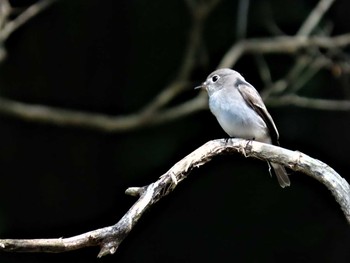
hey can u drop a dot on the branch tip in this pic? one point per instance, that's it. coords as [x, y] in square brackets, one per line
[106, 251]
[134, 191]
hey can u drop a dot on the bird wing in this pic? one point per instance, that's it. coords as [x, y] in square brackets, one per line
[253, 100]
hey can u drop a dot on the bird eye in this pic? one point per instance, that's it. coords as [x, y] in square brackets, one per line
[215, 78]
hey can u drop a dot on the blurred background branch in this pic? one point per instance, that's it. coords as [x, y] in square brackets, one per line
[158, 110]
[8, 25]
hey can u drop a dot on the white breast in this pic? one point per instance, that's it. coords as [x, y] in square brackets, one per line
[236, 117]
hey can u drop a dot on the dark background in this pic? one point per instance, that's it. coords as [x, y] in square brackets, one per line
[113, 57]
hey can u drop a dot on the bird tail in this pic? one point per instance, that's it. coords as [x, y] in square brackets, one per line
[281, 175]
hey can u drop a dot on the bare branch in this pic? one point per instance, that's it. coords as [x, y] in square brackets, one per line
[264, 70]
[200, 12]
[5, 11]
[24, 17]
[7, 26]
[314, 18]
[201, 9]
[101, 122]
[109, 238]
[152, 114]
[281, 44]
[56, 116]
[302, 63]
[313, 68]
[164, 97]
[310, 103]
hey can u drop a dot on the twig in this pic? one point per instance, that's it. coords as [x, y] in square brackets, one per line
[24, 17]
[310, 103]
[264, 70]
[7, 26]
[281, 85]
[200, 12]
[96, 121]
[305, 30]
[5, 11]
[106, 123]
[281, 44]
[313, 68]
[269, 20]
[314, 18]
[152, 113]
[109, 238]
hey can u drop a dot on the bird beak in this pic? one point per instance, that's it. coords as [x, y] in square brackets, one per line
[202, 86]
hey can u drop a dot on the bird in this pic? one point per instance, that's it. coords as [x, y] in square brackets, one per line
[241, 112]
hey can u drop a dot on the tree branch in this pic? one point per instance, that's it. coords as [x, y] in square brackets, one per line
[280, 44]
[109, 238]
[156, 112]
[97, 121]
[301, 63]
[7, 26]
[24, 17]
[310, 103]
[314, 18]
[200, 12]
[106, 123]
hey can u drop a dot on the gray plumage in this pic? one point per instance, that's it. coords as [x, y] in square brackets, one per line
[241, 112]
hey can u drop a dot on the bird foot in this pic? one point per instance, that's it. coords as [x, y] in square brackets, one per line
[247, 147]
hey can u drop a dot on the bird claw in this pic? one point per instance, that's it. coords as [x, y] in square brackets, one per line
[246, 147]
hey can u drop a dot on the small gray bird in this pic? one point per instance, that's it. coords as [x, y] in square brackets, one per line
[241, 112]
